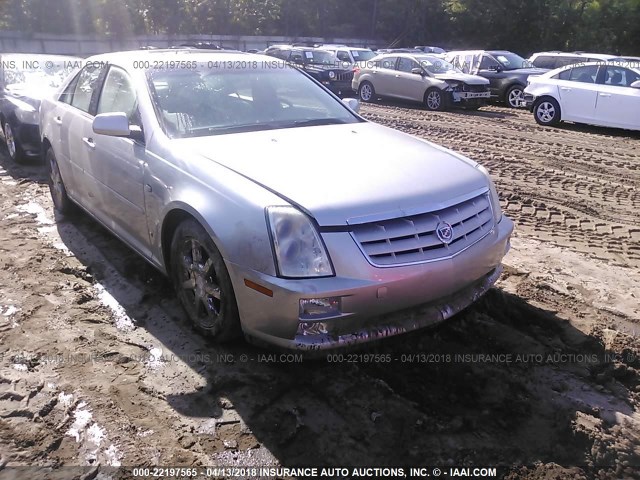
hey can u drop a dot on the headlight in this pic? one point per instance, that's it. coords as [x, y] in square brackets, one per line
[495, 200]
[332, 75]
[298, 247]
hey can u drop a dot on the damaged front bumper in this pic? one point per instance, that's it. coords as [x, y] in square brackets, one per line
[365, 303]
[404, 321]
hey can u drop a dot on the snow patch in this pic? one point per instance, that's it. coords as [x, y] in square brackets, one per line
[66, 400]
[36, 209]
[11, 216]
[113, 456]
[122, 320]
[11, 309]
[82, 417]
[21, 367]
[155, 360]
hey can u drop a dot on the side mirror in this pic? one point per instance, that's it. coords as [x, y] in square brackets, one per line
[416, 71]
[635, 84]
[112, 124]
[116, 124]
[352, 103]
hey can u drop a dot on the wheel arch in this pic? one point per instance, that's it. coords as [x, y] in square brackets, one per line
[544, 97]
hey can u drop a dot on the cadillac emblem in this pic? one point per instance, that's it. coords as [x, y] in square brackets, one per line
[444, 231]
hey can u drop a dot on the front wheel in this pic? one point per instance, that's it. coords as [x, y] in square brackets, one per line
[547, 112]
[202, 283]
[513, 96]
[434, 100]
[366, 92]
[13, 145]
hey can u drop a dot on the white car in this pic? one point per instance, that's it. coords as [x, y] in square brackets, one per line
[350, 56]
[594, 93]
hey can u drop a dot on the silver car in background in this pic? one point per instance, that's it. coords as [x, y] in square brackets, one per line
[211, 165]
[426, 79]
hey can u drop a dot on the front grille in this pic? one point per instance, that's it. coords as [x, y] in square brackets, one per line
[474, 88]
[344, 77]
[413, 239]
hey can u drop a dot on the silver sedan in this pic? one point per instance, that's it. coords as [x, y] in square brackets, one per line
[276, 210]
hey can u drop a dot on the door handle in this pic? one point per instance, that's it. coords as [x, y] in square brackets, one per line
[605, 94]
[58, 120]
[566, 89]
[397, 76]
[88, 141]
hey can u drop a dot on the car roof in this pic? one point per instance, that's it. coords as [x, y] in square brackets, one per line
[630, 65]
[555, 53]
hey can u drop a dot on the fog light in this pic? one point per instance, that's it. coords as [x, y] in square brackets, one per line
[317, 308]
[312, 328]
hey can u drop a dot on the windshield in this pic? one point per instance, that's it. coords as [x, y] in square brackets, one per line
[37, 71]
[362, 55]
[213, 101]
[511, 61]
[319, 57]
[435, 66]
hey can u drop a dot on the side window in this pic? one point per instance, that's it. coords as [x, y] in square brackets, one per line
[388, 63]
[406, 64]
[585, 74]
[343, 56]
[488, 63]
[118, 95]
[562, 61]
[84, 87]
[620, 77]
[544, 61]
[67, 95]
[563, 75]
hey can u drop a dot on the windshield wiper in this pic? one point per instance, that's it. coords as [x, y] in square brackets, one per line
[317, 121]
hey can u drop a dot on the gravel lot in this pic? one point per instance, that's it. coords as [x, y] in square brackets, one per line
[98, 367]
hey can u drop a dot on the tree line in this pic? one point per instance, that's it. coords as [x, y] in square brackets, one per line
[519, 25]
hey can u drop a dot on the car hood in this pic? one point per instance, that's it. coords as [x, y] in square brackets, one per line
[463, 77]
[346, 174]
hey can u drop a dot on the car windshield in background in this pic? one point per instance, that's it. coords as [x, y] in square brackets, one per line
[36, 71]
[436, 66]
[362, 55]
[511, 61]
[319, 57]
[214, 101]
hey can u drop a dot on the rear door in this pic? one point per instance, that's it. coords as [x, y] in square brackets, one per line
[577, 90]
[617, 104]
[74, 119]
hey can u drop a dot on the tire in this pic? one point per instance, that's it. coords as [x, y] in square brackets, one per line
[546, 111]
[366, 92]
[202, 283]
[434, 100]
[16, 153]
[513, 96]
[61, 200]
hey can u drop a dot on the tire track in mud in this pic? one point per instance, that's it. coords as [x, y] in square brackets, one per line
[574, 186]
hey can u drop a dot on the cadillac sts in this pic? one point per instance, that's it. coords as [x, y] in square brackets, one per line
[277, 210]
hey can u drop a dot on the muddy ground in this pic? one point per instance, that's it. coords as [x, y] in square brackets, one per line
[98, 367]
